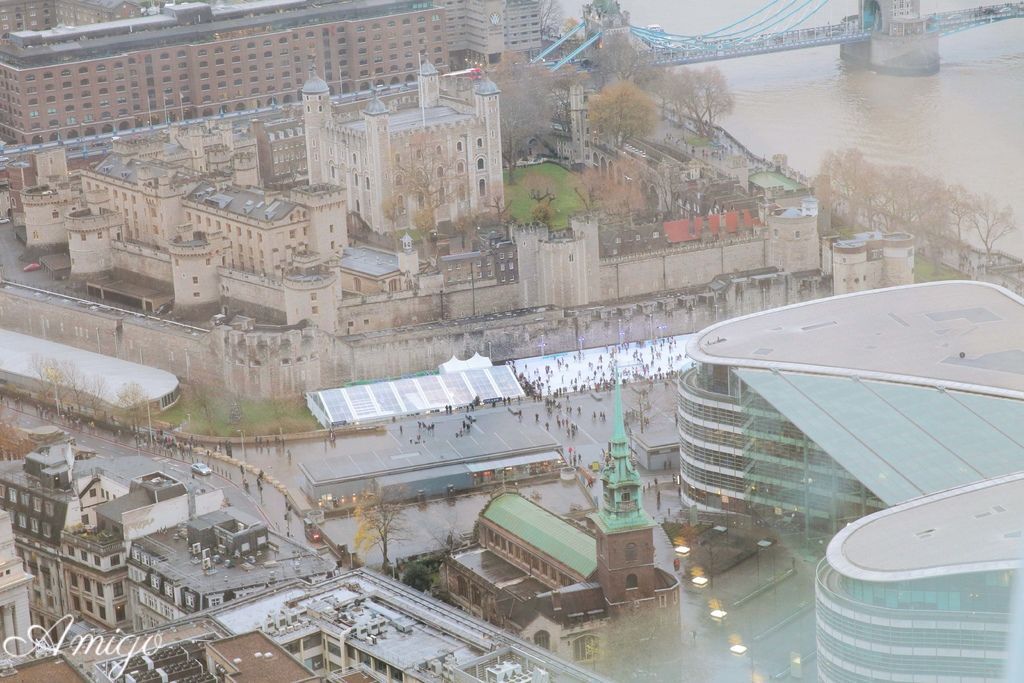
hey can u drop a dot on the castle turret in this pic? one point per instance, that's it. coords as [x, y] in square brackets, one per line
[898, 252]
[316, 110]
[490, 188]
[429, 85]
[312, 292]
[328, 209]
[408, 258]
[558, 269]
[89, 241]
[44, 207]
[244, 168]
[793, 237]
[195, 257]
[378, 153]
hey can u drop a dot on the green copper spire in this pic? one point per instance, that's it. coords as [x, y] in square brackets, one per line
[621, 507]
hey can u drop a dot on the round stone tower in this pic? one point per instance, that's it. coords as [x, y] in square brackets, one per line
[311, 292]
[898, 252]
[194, 261]
[849, 266]
[44, 208]
[89, 237]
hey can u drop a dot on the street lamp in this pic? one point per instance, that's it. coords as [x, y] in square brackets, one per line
[243, 443]
[580, 340]
[763, 544]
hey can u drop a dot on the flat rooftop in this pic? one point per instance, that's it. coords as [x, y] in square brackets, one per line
[967, 529]
[405, 120]
[369, 261]
[283, 559]
[958, 334]
[493, 435]
[272, 664]
[19, 354]
[414, 629]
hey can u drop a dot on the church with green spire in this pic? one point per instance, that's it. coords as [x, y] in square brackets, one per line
[623, 529]
[621, 503]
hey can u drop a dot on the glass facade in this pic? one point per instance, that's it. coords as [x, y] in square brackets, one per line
[737, 452]
[930, 629]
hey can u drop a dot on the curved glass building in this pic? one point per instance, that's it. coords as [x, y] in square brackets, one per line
[921, 591]
[817, 414]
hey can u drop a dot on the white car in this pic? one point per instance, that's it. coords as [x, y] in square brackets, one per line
[201, 469]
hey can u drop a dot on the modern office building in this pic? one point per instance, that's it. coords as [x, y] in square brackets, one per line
[827, 411]
[196, 59]
[922, 591]
[480, 31]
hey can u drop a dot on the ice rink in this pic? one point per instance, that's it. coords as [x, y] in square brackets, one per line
[584, 370]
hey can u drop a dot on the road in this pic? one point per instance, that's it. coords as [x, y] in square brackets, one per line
[107, 447]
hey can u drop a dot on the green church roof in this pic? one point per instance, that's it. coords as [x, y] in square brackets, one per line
[545, 531]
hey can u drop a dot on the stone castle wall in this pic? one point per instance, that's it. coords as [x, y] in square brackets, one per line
[639, 274]
[281, 361]
[141, 261]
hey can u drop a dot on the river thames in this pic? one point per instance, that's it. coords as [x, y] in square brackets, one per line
[965, 124]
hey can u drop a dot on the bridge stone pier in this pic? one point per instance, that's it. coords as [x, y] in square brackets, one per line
[900, 44]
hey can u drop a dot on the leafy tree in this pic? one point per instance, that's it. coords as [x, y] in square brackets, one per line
[543, 213]
[380, 522]
[622, 111]
[418, 575]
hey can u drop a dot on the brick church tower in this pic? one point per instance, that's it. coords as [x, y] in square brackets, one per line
[625, 532]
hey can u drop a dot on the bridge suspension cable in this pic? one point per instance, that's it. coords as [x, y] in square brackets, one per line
[740, 21]
[785, 11]
[759, 26]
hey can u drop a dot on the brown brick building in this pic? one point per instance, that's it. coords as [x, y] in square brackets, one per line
[196, 59]
[36, 15]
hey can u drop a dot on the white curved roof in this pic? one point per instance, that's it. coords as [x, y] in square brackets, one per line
[474, 362]
[19, 354]
[970, 528]
[955, 334]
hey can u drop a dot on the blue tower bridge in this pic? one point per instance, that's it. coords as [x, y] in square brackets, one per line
[889, 36]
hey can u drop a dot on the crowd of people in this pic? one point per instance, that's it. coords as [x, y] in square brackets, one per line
[594, 369]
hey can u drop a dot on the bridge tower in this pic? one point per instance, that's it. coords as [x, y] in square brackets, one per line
[900, 43]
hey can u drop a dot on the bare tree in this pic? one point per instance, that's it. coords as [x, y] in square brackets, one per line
[617, 192]
[96, 393]
[132, 402]
[853, 185]
[13, 442]
[526, 107]
[380, 521]
[73, 383]
[49, 373]
[550, 14]
[910, 200]
[425, 170]
[622, 111]
[208, 400]
[622, 59]
[992, 222]
[702, 96]
[962, 206]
